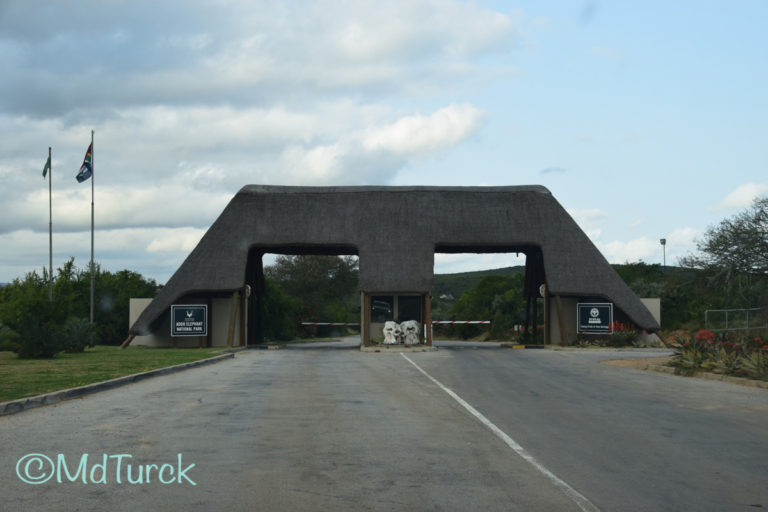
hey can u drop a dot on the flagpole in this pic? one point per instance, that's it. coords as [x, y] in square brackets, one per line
[50, 226]
[93, 178]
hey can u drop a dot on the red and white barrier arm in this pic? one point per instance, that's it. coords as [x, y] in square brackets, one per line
[460, 322]
[434, 322]
[330, 323]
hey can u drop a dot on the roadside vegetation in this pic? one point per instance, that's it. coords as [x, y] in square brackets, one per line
[33, 325]
[729, 271]
[20, 378]
[739, 355]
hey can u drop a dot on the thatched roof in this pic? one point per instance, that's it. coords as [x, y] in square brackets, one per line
[396, 232]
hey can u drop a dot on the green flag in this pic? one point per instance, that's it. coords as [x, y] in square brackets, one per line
[47, 166]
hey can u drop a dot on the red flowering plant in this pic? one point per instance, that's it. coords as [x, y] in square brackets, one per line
[705, 336]
[695, 352]
[623, 335]
[726, 353]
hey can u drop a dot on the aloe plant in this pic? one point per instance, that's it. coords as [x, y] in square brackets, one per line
[755, 365]
[725, 362]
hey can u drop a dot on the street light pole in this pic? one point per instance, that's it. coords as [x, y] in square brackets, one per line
[663, 242]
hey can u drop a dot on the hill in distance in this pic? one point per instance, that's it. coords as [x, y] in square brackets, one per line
[456, 284]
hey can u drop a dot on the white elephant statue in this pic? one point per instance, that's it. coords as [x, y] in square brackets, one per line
[391, 333]
[410, 329]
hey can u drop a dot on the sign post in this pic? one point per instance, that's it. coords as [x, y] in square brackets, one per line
[594, 318]
[189, 320]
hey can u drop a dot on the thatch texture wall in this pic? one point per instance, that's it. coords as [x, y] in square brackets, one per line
[396, 232]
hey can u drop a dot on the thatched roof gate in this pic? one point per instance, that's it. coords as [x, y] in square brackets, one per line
[396, 232]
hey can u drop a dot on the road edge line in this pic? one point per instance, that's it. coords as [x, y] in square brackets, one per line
[581, 501]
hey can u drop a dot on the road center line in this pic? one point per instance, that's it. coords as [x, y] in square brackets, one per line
[578, 498]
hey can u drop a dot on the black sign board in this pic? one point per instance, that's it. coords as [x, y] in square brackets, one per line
[595, 318]
[189, 320]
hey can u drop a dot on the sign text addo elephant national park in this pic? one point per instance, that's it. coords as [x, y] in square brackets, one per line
[189, 320]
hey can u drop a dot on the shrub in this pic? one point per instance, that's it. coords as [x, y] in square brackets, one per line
[755, 365]
[76, 334]
[727, 354]
[724, 361]
[691, 354]
[9, 339]
[621, 338]
[38, 322]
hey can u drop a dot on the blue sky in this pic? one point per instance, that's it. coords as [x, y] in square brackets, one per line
[646, 120]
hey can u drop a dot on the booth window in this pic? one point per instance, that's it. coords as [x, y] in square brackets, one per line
[382, 308]
[409, 308]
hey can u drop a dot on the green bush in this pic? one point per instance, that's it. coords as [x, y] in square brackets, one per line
[281, 313]
[621, 338]
[727, 354]
[9, 339]
[498, 298]
[725, 361]
[43, 327]
[618, 338]
[76, 334]
[755, 365]
[39, 329]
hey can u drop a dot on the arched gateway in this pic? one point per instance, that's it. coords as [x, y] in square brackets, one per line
[396, 232]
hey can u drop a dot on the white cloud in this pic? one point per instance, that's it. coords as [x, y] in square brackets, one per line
[639, 249]
[680, 242]
[743, 196]
[419, 134]
[594, 233]
[590, 215]
[374, 154]
[115, 207]
[180, 239]
[590, 221]
[158, 251]
[683, 237]
[249, 53]
[311, 93]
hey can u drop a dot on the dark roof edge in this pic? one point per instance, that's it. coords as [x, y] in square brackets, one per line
[287, 189]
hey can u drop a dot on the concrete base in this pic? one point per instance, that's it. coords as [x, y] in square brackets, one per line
[396, 349]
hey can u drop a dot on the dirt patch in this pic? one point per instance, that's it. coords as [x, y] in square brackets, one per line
[659, 364]
[640, 363]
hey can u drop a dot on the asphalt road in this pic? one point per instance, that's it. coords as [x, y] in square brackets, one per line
[457, 429]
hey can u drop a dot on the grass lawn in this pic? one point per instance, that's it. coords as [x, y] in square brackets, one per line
[21, 378]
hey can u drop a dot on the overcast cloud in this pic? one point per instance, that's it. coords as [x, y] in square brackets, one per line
[191, 100]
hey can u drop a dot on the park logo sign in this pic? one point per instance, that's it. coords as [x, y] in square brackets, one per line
[189, 320]
[595, 318]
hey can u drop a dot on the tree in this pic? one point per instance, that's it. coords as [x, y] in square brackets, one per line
[281, 313]
[26, 309]
[313, 288]
[498, 298]
[112, 301]
[734, 255]
[737, 245]
[35, 326]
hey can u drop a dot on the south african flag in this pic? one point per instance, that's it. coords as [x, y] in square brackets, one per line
[86, 170]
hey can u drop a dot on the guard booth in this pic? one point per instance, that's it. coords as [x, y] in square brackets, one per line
[380, 307]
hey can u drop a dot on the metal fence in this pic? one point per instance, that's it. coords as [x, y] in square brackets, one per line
[735, 319]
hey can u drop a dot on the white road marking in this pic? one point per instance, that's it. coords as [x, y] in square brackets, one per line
[581, 501]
